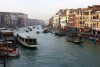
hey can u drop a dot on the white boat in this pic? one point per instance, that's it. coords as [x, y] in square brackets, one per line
[10, 51]
[7, 49]
[26, 40]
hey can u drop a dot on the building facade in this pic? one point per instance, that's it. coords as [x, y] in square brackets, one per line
[85, 20]
[8, 19]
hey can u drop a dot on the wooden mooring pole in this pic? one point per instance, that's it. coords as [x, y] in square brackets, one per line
[3, 60]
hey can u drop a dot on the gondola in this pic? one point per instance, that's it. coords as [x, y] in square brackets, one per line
[74, 41]
[59, 34]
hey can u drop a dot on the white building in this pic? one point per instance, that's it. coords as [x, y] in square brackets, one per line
[56, 20]
[9, 19]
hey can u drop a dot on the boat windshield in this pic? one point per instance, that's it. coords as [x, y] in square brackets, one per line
[30, 41]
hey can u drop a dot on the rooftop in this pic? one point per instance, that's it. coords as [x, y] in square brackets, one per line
[6, 31]
[3, 28]
[25, 35]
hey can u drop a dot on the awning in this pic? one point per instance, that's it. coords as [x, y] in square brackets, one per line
[87, 29]
[73, 29]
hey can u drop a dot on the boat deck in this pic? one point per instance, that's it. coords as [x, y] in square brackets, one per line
[26, 36]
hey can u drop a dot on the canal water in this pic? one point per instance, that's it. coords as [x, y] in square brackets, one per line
[55, 51]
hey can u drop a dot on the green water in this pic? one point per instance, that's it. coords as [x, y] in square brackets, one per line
[54, 51]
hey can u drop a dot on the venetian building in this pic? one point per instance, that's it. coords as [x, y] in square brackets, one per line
[63, 21]
[98, 20]
[14, 20]
[51, 23]
[72, 18]
[22, 19]
[9, 19]
[79, 16]
[4, 19]
[56, 21]
[89, 15]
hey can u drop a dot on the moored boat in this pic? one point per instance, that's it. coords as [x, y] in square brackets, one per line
[59, 34]
[26, 40]
[7, 49]
[8, 35]
[45, 30]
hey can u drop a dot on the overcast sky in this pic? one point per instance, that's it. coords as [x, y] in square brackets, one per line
[43, 9]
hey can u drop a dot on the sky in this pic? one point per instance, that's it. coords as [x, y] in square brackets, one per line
[43, 9]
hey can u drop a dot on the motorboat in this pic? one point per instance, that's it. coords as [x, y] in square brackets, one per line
[26, 30]
[37, 32]
[7, 49]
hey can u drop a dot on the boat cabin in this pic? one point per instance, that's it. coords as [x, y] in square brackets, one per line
[7, 35]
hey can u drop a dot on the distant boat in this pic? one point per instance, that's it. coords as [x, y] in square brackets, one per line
[29, 29]
[59, 33]
[33, 27]
[74, 41]
[45, 31]
[37, 32]
[26, 30]
[26, 40]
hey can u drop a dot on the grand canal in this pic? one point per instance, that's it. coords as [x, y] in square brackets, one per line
[55, 51]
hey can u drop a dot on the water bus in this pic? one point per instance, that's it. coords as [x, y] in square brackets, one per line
[26, 40]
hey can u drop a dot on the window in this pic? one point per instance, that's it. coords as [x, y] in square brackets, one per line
[94, 17]
[86, 13]
[80, 22]
[83, 22]
[30, 40]
[97, 17]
